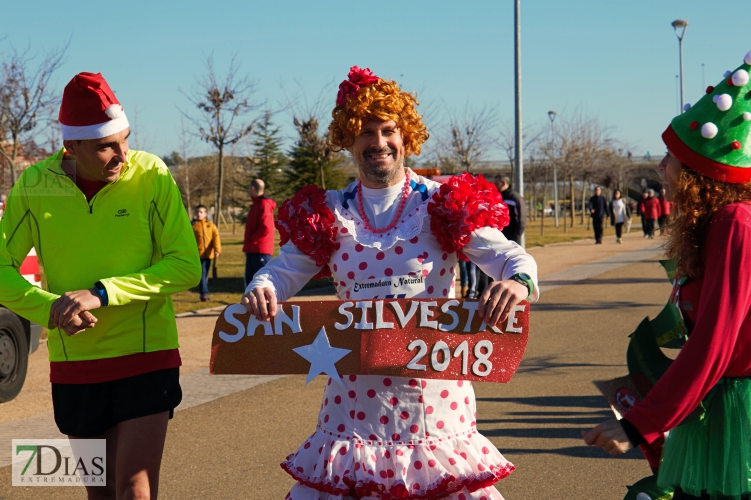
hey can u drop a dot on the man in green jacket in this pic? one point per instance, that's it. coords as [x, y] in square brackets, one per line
[115, 242]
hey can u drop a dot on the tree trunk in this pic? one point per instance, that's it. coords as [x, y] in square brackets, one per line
[544, 204]
[584, 194]
[563, 193]
[187, 188]
[12, 161]
[218, 208]
[232, 214]
[573, 205]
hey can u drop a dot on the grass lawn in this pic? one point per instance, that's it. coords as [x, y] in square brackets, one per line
[554, 234]
[228, 287]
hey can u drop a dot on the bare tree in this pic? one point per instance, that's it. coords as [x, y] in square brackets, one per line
[582, 148]
[470, 135]
[507, 139]
[184, 144]
[533, 172]
[225, 113]
[26, 99]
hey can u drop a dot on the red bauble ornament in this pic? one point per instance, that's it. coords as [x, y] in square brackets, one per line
[735, 145]
[730, 81]
[710, 89]
[694, 125]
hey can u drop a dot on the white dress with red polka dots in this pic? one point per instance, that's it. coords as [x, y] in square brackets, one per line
[395, 437]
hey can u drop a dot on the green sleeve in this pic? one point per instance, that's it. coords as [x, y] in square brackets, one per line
[18, 226]
[175, 263]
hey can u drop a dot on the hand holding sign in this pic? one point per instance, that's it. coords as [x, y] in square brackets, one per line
[422, 338]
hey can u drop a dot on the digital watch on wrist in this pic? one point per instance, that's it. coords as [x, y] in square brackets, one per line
[526, 280]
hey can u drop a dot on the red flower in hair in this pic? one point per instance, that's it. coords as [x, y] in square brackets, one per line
[361, 77]
[309, 224]
[356, 79]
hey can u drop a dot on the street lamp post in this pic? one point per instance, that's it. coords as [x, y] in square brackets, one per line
[681, 24]
[519, 150]
[551, 115]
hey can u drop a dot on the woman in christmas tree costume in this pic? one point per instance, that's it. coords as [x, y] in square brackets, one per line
[704, 398]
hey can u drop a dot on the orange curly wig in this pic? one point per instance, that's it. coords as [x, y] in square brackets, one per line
[383, 100]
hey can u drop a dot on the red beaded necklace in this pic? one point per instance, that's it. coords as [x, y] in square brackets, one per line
[398, 211]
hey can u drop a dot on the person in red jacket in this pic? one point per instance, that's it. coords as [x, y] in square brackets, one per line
[640, 211]
[650, 213]
[704, 397]
[665, 208]
[259, 230]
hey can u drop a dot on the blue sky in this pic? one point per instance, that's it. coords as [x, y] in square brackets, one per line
[613, 60]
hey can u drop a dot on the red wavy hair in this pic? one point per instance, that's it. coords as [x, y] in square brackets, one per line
[385, 101]
[697, 198]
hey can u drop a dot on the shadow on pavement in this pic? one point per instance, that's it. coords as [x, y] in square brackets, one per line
[550, 401]
[547, 363]
[598, 282]
[574, 451]
[549, 424]
[571, 307]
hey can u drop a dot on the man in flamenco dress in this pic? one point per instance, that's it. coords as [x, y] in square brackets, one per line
[393, 437]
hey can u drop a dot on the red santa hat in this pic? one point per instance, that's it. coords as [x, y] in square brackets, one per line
[90, 109]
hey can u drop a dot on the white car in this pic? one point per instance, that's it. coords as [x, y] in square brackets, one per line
[18, 338]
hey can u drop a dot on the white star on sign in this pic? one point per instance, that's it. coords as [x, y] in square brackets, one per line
[321, 356]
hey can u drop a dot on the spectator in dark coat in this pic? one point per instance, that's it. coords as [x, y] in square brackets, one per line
[259, 230]
[517, 209]
[666, 207]
[598, 209]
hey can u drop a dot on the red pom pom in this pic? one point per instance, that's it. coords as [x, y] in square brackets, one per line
[735, 145]
[462, 205]
[309, 224]
[730, 81]
[694, 125]
[710, 89]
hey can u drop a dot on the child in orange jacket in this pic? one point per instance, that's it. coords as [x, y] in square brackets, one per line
[209, 246]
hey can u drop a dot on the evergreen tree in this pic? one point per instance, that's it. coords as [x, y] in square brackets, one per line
[269, 158]
[311, 160]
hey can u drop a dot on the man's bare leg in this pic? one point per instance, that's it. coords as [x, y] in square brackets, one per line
[107, 492]
[134, 457]
[140, 443]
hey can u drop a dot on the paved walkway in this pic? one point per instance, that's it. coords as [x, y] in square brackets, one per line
[590, 261]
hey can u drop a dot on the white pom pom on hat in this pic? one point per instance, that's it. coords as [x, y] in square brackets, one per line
[747, 116]
[747, 59]
[709, 130]
[740, 78]
[724, 102]
[114, 111]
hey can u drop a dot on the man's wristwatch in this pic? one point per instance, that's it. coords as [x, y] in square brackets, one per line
[526, 280]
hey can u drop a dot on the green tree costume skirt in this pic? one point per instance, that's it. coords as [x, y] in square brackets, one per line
[711, 453]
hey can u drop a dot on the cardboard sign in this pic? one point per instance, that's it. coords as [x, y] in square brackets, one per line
[421, 338]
